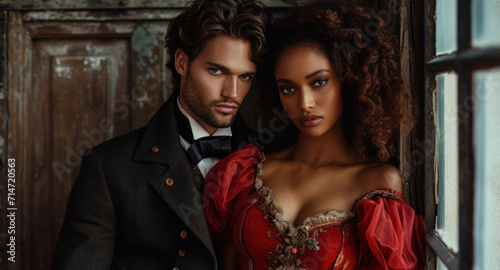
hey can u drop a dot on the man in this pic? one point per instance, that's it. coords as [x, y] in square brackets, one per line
[136, 203]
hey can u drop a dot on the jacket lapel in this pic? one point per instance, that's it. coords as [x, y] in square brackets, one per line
[160, 144]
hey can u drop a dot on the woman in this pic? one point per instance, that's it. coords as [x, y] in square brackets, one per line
[328, 201]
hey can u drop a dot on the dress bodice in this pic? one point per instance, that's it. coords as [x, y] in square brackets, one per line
[239, 204]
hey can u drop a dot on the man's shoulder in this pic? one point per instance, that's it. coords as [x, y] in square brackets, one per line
[126, 143]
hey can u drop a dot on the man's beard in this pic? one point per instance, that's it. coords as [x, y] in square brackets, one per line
[203, 111]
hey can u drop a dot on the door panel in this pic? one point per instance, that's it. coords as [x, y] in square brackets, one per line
[73, 85]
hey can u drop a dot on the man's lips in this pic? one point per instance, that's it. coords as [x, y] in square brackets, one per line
[226, 108]
[310, 120]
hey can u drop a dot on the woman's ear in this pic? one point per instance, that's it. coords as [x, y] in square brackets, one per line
[181, 62]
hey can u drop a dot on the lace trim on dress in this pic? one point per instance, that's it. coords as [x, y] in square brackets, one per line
[382, 192]
[295, 239]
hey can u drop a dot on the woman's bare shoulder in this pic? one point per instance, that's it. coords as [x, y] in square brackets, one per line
[376, 175]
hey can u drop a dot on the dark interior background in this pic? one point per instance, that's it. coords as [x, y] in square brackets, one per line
[76, 73]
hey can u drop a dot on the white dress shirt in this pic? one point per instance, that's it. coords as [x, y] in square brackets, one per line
[199, 132]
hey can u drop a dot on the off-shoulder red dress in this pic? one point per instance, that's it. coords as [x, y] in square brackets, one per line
[381, 232]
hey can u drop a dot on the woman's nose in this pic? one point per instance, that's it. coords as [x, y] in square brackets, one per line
[306, 100]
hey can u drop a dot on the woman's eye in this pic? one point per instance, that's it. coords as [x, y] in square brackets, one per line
[215, 71]
[319, 82]
[286, 89]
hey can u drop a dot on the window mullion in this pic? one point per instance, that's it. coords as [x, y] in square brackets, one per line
[466, 150]
[481, 58]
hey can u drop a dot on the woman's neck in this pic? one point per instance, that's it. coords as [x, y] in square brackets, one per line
[329, 149]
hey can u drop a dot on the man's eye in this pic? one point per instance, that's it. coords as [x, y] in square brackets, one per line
[215, 71]
[246, 77]
[286, 89]
[319, 82]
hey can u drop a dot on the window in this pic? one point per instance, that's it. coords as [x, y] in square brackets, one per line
[462, 73]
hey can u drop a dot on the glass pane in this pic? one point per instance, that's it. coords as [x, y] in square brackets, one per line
[447, 145]
[485, 23]
[446, 26]
[487, 130]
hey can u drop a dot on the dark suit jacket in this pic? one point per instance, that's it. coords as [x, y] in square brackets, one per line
[121, 212]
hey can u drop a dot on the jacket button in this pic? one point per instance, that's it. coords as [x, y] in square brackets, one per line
[182, 252]
[155, 149]
[169, 182]
[175, 268]
[183, 234]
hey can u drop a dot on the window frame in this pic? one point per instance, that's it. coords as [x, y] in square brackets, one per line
[464, 61]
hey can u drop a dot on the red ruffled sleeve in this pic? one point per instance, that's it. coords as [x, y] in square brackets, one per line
[391, 235]
[227, 185]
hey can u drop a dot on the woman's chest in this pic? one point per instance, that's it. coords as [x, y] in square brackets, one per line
[302, 196]
[324, 241]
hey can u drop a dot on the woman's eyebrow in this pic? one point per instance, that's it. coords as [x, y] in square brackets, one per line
[316, 73]
[284, 80]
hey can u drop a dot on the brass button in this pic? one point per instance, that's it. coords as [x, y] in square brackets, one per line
[155, 149]
[169, 182]
[183, 234]
[182, 252]
[175, 268]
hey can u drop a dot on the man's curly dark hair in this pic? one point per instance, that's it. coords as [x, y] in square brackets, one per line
[205, 19]
[375, 98]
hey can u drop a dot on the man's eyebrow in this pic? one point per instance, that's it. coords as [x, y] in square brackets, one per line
[316, 73]
[219, 66]
[224, 68]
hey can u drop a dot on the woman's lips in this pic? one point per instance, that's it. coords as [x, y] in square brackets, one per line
[310, 120]
[226, 108]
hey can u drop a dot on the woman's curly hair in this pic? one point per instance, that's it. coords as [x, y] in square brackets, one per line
[363, 52]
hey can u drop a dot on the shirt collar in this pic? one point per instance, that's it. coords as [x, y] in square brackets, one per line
[198, 130]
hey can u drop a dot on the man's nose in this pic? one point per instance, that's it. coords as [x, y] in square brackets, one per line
[230, 87]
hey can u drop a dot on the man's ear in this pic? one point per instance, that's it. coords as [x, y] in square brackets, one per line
[181, 62]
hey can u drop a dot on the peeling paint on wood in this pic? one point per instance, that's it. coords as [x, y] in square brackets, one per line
[100, 15]
[94, 4]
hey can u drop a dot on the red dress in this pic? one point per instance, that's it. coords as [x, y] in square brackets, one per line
[381, 232]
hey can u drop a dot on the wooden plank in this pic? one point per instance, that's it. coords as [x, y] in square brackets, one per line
[20, 141]
[3, 136]
[412, 71]
[430, 169]
[116, 4]
[44, 16]
[151, 85]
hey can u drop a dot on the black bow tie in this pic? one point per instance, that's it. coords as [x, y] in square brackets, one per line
[215, 146]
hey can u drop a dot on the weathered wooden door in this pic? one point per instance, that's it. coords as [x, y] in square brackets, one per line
[75, 79]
